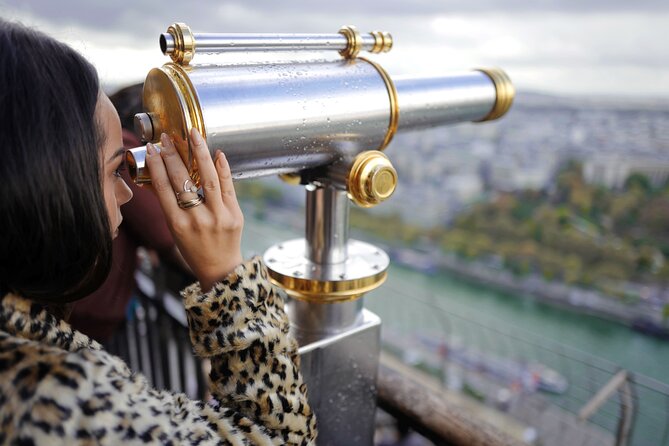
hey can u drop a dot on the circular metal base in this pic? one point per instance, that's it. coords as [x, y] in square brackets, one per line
[363, 271]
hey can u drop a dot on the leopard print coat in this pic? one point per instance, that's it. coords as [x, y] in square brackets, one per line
[57, 386]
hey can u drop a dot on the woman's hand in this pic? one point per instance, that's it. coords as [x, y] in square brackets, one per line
[208, 234]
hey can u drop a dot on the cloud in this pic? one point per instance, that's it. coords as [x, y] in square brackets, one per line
[103, 13]
[597, 46]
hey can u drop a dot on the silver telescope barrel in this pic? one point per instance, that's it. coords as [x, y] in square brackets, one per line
[285, 118]
[181, 44]
[480, 95]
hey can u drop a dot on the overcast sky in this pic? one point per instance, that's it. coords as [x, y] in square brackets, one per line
[593, 47]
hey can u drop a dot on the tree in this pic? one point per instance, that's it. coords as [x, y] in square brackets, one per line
[638, 181]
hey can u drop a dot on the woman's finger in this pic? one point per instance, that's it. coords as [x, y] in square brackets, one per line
[225, 179]
[205, 166]
[176, 170]
[160, 181]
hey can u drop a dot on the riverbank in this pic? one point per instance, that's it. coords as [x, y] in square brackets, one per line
[590, 302]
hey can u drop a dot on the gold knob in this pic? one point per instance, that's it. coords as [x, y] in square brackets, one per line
[184, 43]
[372, 179]
[383, 42]
[147, 126]
[293, 179]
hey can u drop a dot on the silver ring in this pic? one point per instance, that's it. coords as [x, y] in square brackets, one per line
[192, 188]
[187, 204]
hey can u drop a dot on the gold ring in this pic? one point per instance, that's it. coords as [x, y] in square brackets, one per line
[190, 203]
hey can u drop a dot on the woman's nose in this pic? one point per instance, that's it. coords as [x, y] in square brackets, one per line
[125, 194]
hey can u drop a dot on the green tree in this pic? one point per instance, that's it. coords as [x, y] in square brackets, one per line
[638, 181]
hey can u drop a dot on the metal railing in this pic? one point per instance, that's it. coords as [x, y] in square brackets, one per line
[453, 347]
[154, 339]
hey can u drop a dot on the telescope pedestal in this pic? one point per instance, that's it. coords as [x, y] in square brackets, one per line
[325, 276]
[340, 371]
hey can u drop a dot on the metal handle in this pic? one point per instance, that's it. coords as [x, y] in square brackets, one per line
[181, 44]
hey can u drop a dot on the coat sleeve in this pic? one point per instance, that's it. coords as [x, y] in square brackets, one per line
[260, 397]
[241, 327]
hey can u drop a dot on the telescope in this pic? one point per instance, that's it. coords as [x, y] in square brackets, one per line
[321, 123]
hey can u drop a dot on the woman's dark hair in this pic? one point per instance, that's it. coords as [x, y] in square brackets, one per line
[55, 245]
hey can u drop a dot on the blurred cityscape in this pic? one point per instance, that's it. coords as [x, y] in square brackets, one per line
[564, 201]
[444, 170]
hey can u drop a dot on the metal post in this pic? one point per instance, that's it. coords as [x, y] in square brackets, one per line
[327, 225]
[327, 251]
[325, 276]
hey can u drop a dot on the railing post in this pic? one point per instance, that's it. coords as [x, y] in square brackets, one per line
[620, 382]
[627, 413]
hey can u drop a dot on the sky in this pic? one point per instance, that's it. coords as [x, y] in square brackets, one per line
[591, 47]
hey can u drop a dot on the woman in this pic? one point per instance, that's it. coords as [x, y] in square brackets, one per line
[101, 314]
[61, 152]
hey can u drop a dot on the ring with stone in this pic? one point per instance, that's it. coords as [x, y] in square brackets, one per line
[192, 188]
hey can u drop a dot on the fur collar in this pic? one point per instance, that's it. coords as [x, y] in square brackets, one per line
[23, 318]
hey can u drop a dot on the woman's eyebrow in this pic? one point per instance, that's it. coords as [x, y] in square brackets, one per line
[116, 154]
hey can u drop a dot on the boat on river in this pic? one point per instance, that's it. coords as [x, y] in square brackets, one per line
[530, 376]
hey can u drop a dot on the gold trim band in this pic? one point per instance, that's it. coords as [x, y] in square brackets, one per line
[191, 111]
[354, 41]
[505, 92]
[326, 291]
[394, 104]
